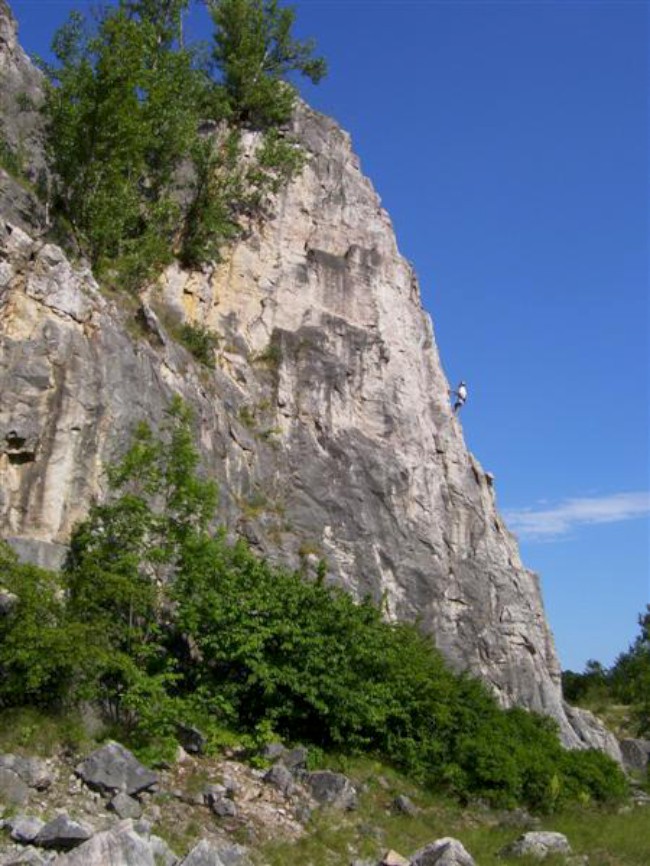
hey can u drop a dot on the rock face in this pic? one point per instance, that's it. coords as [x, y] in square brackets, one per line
[326, 419]
[20, 121]
[636, 754]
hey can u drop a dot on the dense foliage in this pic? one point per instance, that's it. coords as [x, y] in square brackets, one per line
[144, 133]
[255, 51]
[627, 682]
[163, 622]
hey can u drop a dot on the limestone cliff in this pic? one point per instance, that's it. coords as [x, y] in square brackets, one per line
[326, 419]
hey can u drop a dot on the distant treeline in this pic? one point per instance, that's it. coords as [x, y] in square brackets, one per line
[626, 682]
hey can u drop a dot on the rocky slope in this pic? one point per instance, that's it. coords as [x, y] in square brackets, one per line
[326, 418]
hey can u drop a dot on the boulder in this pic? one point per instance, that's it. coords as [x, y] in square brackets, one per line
[281, 778]
[273, 751]
[119, 846]
[62, 834]
[392, 858]
[34, 772]
[212, 794]
[191, 739]
[592, 733]
[163, 854]
[213, 853]
[538, 843]
[113, 768]
[405, 805]
[224, 808]
[8, 601]
[125, 806]
[25, 828]
[443, 852]
[295, 759]
[635, 754]
[13, 790]
[331, 789]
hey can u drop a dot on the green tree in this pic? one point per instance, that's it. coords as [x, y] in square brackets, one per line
[123, 107]
[630, 676]
[255, 52]
[38, 648]
[123, 557]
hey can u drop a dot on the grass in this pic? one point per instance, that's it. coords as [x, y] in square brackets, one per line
[607, 838]
[29, 731]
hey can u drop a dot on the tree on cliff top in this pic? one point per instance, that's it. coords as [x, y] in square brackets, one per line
[254, 50]
[133, 173]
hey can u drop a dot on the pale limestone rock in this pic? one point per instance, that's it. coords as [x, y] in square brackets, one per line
[443, 852]
[120, 846]
[392, 858]
[539, 844]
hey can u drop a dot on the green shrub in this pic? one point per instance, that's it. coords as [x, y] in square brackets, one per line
[38, 645]
[10, 160]
[199, 341]
[166, 622]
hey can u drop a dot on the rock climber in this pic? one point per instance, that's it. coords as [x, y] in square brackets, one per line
[461, 396]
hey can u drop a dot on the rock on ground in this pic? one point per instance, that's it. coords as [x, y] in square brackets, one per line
[331, 789]
[443, 852]
[392, 858]
[28, 857]
[119, 846]
[62, 833]
[635, 753]
[125, 806]
[25, 828]
[13, 790]
[113, 768]
[540, 844]
[34, 772]
[212, 853]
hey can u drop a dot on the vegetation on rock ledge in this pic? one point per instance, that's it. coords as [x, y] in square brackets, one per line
[144, 132]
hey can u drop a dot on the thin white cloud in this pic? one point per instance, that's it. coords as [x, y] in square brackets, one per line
[559, 520]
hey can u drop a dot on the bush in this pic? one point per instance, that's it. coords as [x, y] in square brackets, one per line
[199, 341]
[38, 645]
[166, 622]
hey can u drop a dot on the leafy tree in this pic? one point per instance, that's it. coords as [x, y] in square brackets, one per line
[38, 648]
[165, 622]
[630, 676]
[137, 173]
[254, 51]
[166, 16]
[123, 555]
[123, 108]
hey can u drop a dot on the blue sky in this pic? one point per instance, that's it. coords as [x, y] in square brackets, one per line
[509, 143]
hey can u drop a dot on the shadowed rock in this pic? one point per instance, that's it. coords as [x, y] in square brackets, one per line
[25, 828]
[62, 833]
[113, 768]
[331, 789]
